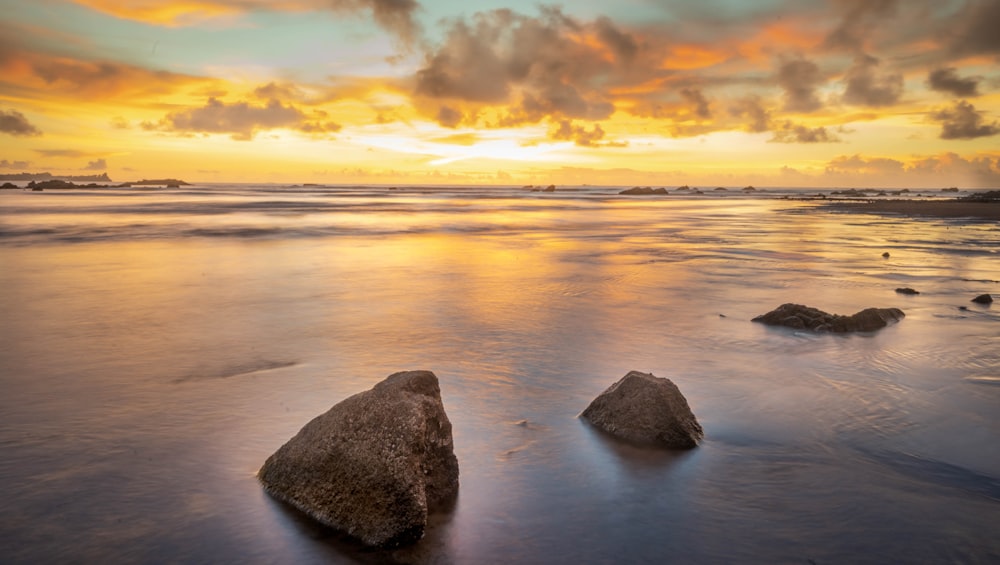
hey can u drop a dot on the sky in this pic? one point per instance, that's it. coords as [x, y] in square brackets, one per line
[810, 93]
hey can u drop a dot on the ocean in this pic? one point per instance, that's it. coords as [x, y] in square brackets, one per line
[156, 346]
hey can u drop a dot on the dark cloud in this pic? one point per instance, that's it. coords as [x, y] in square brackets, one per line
[962, 121]
[800, 79]
[545, 66]
[449, 117]
[977, 29]
[753, 110]
[97, 165]
[787, 132]
[19, 165]
[623, 44]
[396, 16]
[865, 88]
[242, 120]
[947, 80]
[701, 104]
[14, 123]
[859, 19]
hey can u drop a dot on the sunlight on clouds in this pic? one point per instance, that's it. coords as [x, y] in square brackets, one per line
[446, 148]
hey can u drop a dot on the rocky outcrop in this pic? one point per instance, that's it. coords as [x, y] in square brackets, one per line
[646, 410]
[643, 191]
[983, 299]
[374, 465]
[806, 318]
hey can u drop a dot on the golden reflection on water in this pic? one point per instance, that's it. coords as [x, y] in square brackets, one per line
[130, 367]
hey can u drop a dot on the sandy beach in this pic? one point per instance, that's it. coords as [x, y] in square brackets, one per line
[928, 208]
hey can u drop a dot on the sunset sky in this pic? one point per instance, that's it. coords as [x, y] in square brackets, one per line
[710, 92]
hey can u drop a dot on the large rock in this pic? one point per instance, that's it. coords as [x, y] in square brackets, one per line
[806, 318]
[374, 465]
[983, 299]
[644, 409]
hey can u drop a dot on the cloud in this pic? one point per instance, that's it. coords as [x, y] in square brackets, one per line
[449, 117]
[752, 109]
[535, 67]
[977, 29]
[858, 164]
[18, 165]
[859, 20]
[701, 104]
[962, 121]
[800, 79]
[947, 80]
[42, 74]
[73, 153]
[396, 16]
[568, 131]
[242, 120]
[787, 132]
[865, 88]
[945, 169]
[97, 165]
[14, 123]
[622, 44]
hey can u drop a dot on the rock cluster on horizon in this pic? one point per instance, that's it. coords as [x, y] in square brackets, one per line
[643, 191]
[374, 465]
[805, 318]
[647, 410]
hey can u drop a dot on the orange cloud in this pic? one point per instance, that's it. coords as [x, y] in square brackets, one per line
[692, 56]
[44, 76]
[396, 16]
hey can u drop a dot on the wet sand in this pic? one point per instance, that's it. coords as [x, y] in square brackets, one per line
[927, 208]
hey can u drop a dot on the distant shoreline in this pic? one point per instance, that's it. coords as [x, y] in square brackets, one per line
[922, 208]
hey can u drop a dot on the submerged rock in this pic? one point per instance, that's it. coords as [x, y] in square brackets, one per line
[803, 317]
[983, 299]
[648, 410]
[374, 465]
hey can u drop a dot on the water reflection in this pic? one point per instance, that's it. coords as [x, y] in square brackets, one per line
[148, 374]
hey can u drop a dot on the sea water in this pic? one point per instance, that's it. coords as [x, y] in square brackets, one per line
[156, 346]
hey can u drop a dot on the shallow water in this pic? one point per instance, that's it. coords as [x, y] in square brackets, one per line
[157, 346]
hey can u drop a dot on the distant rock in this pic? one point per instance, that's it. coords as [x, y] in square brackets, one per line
[749, 189]
[646, 410]
[983, 299]
[685, 187]
[952, 189]
[805, 318]
[172, 183]
[721, 189]
[374, 465]
[906, 290]
[988, 196]
[643, 191]
[8, 185]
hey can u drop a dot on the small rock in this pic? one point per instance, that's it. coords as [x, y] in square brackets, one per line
[886, 255]
[803, 317]
[983, 299]
[906, 290]
[644, 409]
